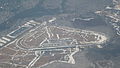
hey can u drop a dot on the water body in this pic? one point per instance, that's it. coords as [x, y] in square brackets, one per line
[37, 11]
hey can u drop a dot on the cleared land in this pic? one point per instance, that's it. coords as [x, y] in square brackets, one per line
[47, 44]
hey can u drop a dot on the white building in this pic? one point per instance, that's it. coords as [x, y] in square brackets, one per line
[3, 41]
[4, 38]
[1, 44]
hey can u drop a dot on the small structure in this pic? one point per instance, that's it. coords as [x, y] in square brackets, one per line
[1, 44]
[7, 39]
[3, 41]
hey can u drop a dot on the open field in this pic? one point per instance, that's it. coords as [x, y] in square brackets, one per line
[45, 44]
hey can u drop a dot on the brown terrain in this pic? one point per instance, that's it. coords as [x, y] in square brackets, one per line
[19, 53]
